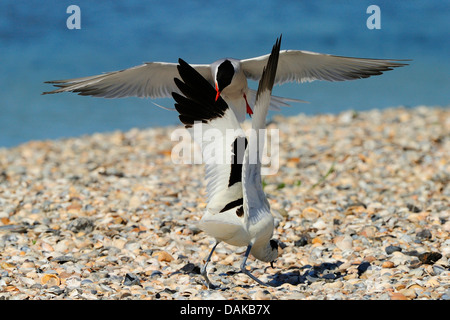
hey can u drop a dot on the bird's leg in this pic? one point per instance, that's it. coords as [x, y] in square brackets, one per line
[244, 270]
[205, 273]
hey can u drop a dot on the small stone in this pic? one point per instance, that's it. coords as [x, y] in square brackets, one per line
[409, 293]
[28, 265]
[133, 246]
[64, 259]
[155, 273]
[29, 282]
[334, 284]
[437, 269]
[303, 241]
[311, 213]
[424, 234]
[363, 267]
[429, 257]
[74, 207]
[50, 280]
[163, 256]
[344, 243]
[81, 224]
[6, 265]
[73, 282]
[294, 296]
[355, 209]
[387, 264]
[399, 258]
[370, 258]
[413, 208]
[391, 249]
[293, 213]
[320, 224]
[191, 268]
[86, 282]
[46, 247]
[346, 265]
[262, 295]
[329, 276]
[369, 232]
[415, 286]
[446, 295]
[134, 202]
[398, 296]
[433, 283]
[414, 264]
[131, 279]
[56, 290]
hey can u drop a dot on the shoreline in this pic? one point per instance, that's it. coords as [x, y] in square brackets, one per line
[361, 202]
[178, 125]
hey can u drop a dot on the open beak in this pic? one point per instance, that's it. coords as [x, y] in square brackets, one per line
[218, 92]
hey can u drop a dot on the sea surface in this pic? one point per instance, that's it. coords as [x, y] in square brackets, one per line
[36, 46]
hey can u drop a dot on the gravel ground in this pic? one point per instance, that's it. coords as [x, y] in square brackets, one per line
[361, 202]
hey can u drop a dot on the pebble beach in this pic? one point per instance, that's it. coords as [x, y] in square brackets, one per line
[361, 203]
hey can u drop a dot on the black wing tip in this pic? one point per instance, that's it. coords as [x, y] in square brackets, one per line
[269, 72]
[55, 81]
[196, 100]
[55, 84]
[396, 63]
[178, 83]
[182, 64]
[176, 96]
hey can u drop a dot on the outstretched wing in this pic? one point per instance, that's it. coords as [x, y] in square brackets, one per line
[215, 128]
[306, 66]
[149, 80]
[255, 201]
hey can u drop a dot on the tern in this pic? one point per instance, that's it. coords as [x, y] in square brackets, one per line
[229, 77]
[237, 212]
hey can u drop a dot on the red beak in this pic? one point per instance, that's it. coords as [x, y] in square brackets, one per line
[249, 110]
[218, 92]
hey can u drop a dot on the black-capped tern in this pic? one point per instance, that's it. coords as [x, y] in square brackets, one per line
[228, 76]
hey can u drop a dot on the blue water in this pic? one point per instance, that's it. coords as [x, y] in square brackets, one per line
[36, 45]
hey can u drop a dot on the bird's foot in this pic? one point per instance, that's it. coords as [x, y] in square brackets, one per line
[244, 270]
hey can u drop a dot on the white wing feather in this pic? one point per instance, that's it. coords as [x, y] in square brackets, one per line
[149, 80]
[256, 205]
[214, 137]
[303, 66]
